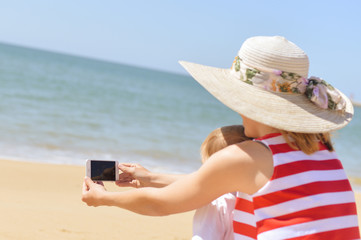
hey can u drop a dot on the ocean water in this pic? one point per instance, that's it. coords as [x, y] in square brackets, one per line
[63, 109]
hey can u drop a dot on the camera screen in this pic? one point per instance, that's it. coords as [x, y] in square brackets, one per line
[102, 170]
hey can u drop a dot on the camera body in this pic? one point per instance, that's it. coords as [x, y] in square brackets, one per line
[102, 170]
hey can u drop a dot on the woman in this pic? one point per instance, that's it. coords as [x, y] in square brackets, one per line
[289, 177]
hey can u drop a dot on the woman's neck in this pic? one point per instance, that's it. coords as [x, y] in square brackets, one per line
[264, 130]
[256, 129]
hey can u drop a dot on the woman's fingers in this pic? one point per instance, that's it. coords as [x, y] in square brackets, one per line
[91, 192]
[85, 188]
[127, 168]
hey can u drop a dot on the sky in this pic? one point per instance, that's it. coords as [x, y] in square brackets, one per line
[157, 34]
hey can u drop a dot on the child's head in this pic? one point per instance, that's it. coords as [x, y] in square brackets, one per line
[221, 138]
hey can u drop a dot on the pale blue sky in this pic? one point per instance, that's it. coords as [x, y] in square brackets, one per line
[156, 34]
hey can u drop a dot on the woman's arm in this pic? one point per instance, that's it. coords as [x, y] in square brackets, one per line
[135, 175]
[244, 167]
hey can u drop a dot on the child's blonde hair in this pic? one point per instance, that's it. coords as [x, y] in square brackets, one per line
[221, 138]
[307, 142]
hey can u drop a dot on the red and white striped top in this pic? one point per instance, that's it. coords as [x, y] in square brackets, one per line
[308, 197]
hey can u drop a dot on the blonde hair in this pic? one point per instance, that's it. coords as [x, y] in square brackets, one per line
[221, 138]
[307, 142]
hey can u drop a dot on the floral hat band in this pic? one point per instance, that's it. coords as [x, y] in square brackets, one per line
[316, 89]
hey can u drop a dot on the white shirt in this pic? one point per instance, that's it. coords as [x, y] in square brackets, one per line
[214, 221]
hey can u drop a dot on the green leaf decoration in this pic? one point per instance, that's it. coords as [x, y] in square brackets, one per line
[309, 92]
[283, 88]
[250, 73]
[237, 65]
[295, 90]
[331, 103]
[249, 82]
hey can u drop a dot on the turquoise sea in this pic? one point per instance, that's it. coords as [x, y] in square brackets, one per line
[63, 109]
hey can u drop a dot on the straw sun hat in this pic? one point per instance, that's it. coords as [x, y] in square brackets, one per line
[268, 82]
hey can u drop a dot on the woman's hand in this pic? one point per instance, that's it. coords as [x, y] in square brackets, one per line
[92, 192]
[133, 175]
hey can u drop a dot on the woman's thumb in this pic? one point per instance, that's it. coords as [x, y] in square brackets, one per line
[88, 181]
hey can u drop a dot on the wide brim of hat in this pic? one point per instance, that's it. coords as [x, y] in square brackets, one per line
[285, 111]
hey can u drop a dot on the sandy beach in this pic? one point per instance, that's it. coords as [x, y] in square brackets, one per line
[43, 201]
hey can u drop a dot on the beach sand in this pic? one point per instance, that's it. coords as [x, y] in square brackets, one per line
[43, 201]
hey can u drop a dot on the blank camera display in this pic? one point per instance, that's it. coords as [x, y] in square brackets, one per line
[103, 170]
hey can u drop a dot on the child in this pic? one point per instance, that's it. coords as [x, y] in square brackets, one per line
[289, 177]
[214, 220]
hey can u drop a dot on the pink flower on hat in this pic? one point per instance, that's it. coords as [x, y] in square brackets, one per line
[277, 72]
